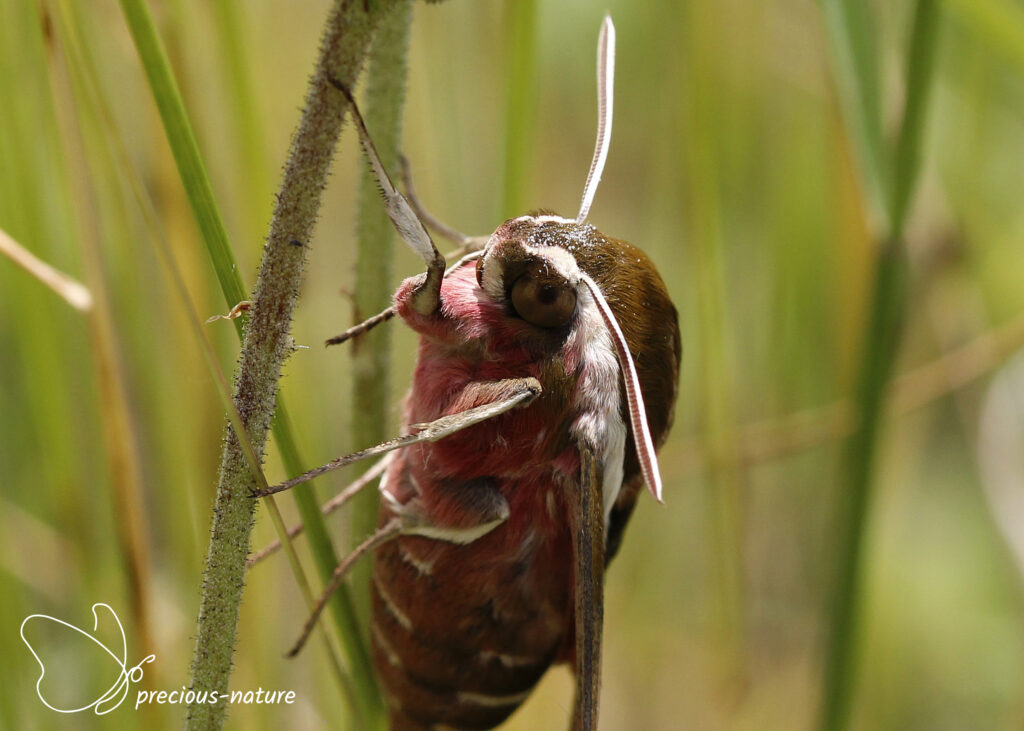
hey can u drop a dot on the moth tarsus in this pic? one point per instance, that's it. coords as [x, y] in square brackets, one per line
[332, 505]
[384, 534]
[364, 326]
[511, 490]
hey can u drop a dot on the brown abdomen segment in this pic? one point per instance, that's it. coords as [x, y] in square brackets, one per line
[462, 633]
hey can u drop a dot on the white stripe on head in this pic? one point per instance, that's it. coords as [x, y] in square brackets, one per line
[555, 256]
[545, 218]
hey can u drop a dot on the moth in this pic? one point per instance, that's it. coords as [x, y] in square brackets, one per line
[546, 379]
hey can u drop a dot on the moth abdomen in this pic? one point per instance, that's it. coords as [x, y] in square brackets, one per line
[462, 633]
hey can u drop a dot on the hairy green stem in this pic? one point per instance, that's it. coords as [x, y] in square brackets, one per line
[371, 353]
[266, 344]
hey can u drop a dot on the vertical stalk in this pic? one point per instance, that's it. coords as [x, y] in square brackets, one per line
[371, 353]
[120, 167]
[520, 104]
[716, 363]
[250, 147]
[118, 420]
[266, 343]
[850, 36]
[879, 350]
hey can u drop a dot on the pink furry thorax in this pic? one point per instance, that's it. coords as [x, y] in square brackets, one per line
[473, 339]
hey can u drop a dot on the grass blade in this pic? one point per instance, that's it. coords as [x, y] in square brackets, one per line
[878, 357]
[266, 342]
[371, 355]
[520, 103]
[849, 30]
[69, 289]
[184, 148]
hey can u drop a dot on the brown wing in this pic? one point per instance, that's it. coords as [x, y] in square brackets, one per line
[640, 301]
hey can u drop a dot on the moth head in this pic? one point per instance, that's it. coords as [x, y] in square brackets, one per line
[557, 274]
[530, 259]
[531, 272]
[551, 283]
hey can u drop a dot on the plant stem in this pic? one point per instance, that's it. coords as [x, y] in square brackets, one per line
[877, 360]
[880, 347]
[520, 17]
[119, 162]
[371, 353]
[924, 37]
[848, 25]
[715, 361]
[265, 346]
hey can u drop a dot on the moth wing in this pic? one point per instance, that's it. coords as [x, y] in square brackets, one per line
[588, 544]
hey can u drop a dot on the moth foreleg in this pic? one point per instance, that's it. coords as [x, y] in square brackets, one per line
[588, 543]
[428, 297]
[503, 395]
[367, 324]
[466, 252]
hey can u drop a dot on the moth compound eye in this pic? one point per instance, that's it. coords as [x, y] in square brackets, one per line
[543, 302]
[480, 271]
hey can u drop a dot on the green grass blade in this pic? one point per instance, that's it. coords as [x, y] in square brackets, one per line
[878, 358]
[199, 190]
[520, 104]
[849, 29]
[184, 148]
[715, 360]
[371, 359]
[341, 607]
[907, 157]
[252, 165]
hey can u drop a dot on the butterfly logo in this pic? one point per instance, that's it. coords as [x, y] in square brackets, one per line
[116, 693]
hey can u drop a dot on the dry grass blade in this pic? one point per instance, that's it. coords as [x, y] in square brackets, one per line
[71, 290]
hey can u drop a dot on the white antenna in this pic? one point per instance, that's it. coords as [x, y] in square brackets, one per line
[605, 88]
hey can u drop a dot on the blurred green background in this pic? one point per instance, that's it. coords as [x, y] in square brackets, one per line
[731, 165]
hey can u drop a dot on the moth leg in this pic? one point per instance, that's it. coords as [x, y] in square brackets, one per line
[508, 394]
[367, 324]
[588, 555]
[463, 254]
[392, 529]
[465, 242]
[479, 512]
[428, 296]
[483, 510]
[328, 507]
